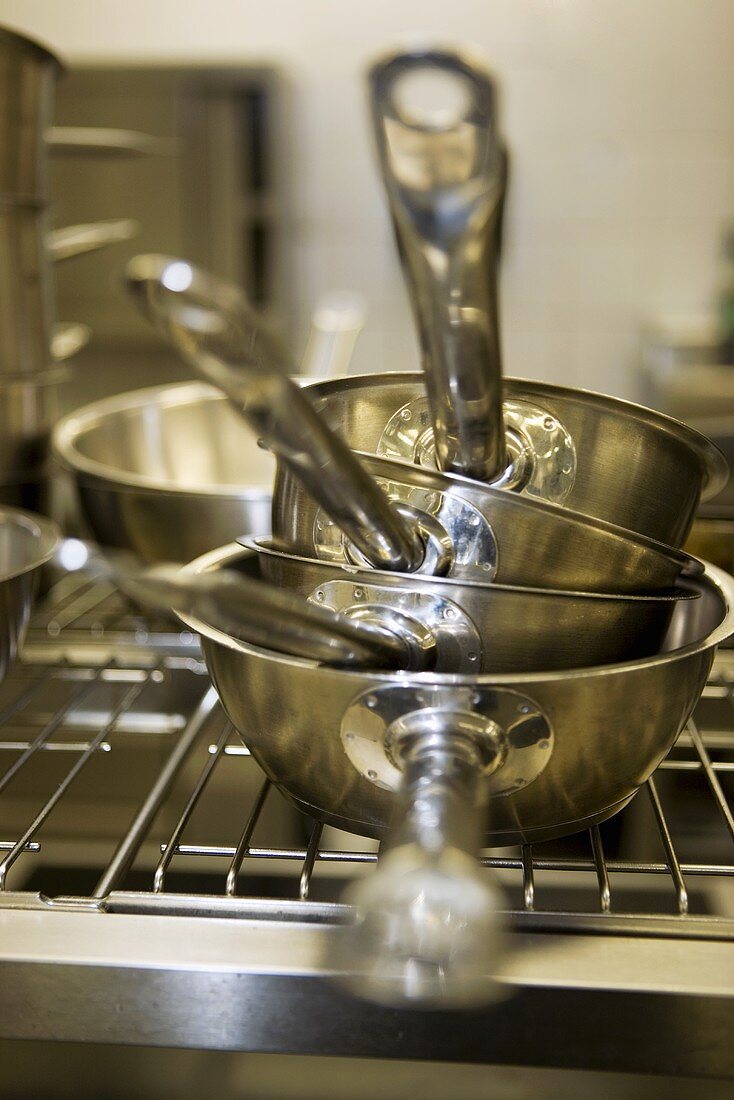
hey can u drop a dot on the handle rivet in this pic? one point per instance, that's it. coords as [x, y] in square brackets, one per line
[372, 774]
[371, 701]
[449, 613]
[549, 423]
[472, 656]
[319, 595]
[405, 414]
[359, 593]
[543, 744]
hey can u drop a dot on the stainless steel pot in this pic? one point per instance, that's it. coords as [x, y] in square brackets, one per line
[168, 471]
[597, 455]
[26, 306]
[553, 752]
[479, 627]
[28, 73]
[26, 543]
[28, 410]
[492, 535]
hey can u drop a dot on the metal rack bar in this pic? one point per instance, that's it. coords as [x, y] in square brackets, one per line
[673, 864]
[129, 846]
[82, 605]
[19, 704]
[127, 700]
[528, 878]
[304, 883]
[711, 777]
[243, 847]
[48, 731]
[172, 848]
[605, 891]
[539, 863]
[716, 766]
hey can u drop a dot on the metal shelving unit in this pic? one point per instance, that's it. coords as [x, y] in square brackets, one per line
[154, 883]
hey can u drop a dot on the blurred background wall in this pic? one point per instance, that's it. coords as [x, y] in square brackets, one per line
[619, 115]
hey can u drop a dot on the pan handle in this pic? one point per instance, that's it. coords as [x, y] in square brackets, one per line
[444, 168]
[212, 326]
[427, 929]
[77, 240]
[257, 612]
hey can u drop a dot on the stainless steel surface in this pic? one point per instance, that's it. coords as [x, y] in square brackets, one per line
[494, 535]
[634, 467]
[440, 153]
[611, 724]
[77, 240]
[26, 543]
[622, 950]
[212, 326]
[168, 472]
[68, 338]
[28, 410]
[26, 306]
[28, 73]
[103, 141]
[517, 629]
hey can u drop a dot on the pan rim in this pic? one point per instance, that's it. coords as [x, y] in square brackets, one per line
[720, 580]
[715, 466]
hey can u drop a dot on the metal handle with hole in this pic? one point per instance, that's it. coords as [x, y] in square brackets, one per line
[444, 169]
[211, 325]
[426, 929]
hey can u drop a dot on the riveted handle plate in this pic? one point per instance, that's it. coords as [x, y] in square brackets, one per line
[526, 730]
[541, 453]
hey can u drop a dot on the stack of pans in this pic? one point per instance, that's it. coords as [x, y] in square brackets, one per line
[28, 382]
[473, 623]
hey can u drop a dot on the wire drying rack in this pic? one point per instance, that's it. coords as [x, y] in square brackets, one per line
[126, 793]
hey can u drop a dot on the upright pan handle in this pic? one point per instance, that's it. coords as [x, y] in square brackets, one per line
[211, 325]
[444, 168]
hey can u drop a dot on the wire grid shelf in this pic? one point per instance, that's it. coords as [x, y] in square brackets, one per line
[100, 693]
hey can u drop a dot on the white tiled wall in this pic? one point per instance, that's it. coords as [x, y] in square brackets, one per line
[620, 118]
